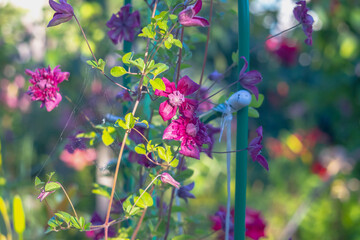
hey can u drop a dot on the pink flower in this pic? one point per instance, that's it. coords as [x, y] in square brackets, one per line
[63, 12]
[300, 13]
[45, 86]
[79, 159]
[123, 25]
[187, 17]
[44, 194]
[254, 224]
[285, 49]
[191, 132]
[167, 178]
[248, 80]
[255, 149]
[176, 96]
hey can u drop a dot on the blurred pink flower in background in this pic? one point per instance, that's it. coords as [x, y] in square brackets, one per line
[79, 159]
[285, 49]
[11, 94]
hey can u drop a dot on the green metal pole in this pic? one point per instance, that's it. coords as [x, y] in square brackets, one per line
[242, 128]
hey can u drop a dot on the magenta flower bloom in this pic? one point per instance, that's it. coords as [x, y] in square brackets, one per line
[63, 12]
[123, 25]
[248, 80]
[255, 149]
[188, 18]
[300, 13]
[191, 132]
[45, 86]
[44, 194]
[254, 224]
[167, 178]
[176, 96]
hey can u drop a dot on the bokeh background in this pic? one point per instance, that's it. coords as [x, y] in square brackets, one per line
[310, 115]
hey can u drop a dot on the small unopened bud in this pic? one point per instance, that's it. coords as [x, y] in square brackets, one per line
[167, 178]
[44, 194]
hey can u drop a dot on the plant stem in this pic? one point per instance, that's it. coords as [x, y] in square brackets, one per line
[207, 45]
[179, 57]
[169, 214]
[92, 53]
[67, 196]
[272, 36]
[133, 237]
[87, 42]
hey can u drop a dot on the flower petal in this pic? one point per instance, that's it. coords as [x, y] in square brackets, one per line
[172, 131]
[197, 6]
[170, 87]
[59, 18]
[186, 86]
[167, 111]
[260, 159]
[51, 104]
[188, 108]
[189, 150]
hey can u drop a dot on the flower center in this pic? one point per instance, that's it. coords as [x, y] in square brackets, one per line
[191, 129]
[176, 98]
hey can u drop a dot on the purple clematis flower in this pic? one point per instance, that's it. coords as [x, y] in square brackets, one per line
[100, 233]
[44, 194]
[123, 25]
[45, 86]
[211, 131]
[248, 80]
[188, 18]
[255, 149]
[176, 96]
[167, 178]
[63, 12]
[76, 143]
[184, 191]
[191, 132]
[300, 13]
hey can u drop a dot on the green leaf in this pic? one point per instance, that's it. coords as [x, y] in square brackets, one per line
[183, 237]
[256, 103]
[38, 182]
[53, 223]
[160, 68]
[158, 84]
[145, 122]
[102, 190]
[140, 149]
[75, 222]
[92, 63]
[122, 124]
[66, 217]
[139, 63]
[253, 113]
[177, 43]
[162, 153]
[87, 226]
[51, 175]
[101, 65]
[52, 186]
[173, 17]
[139, 202]
[108, 135]
[127, 205]
[168, 44]
[235, 57]
[183, 175]
[82, 222]
[118, 71]
[146, 197]
[135, 211]
[174, 163]
[163, 25]
[129, 120]
[126, 58]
